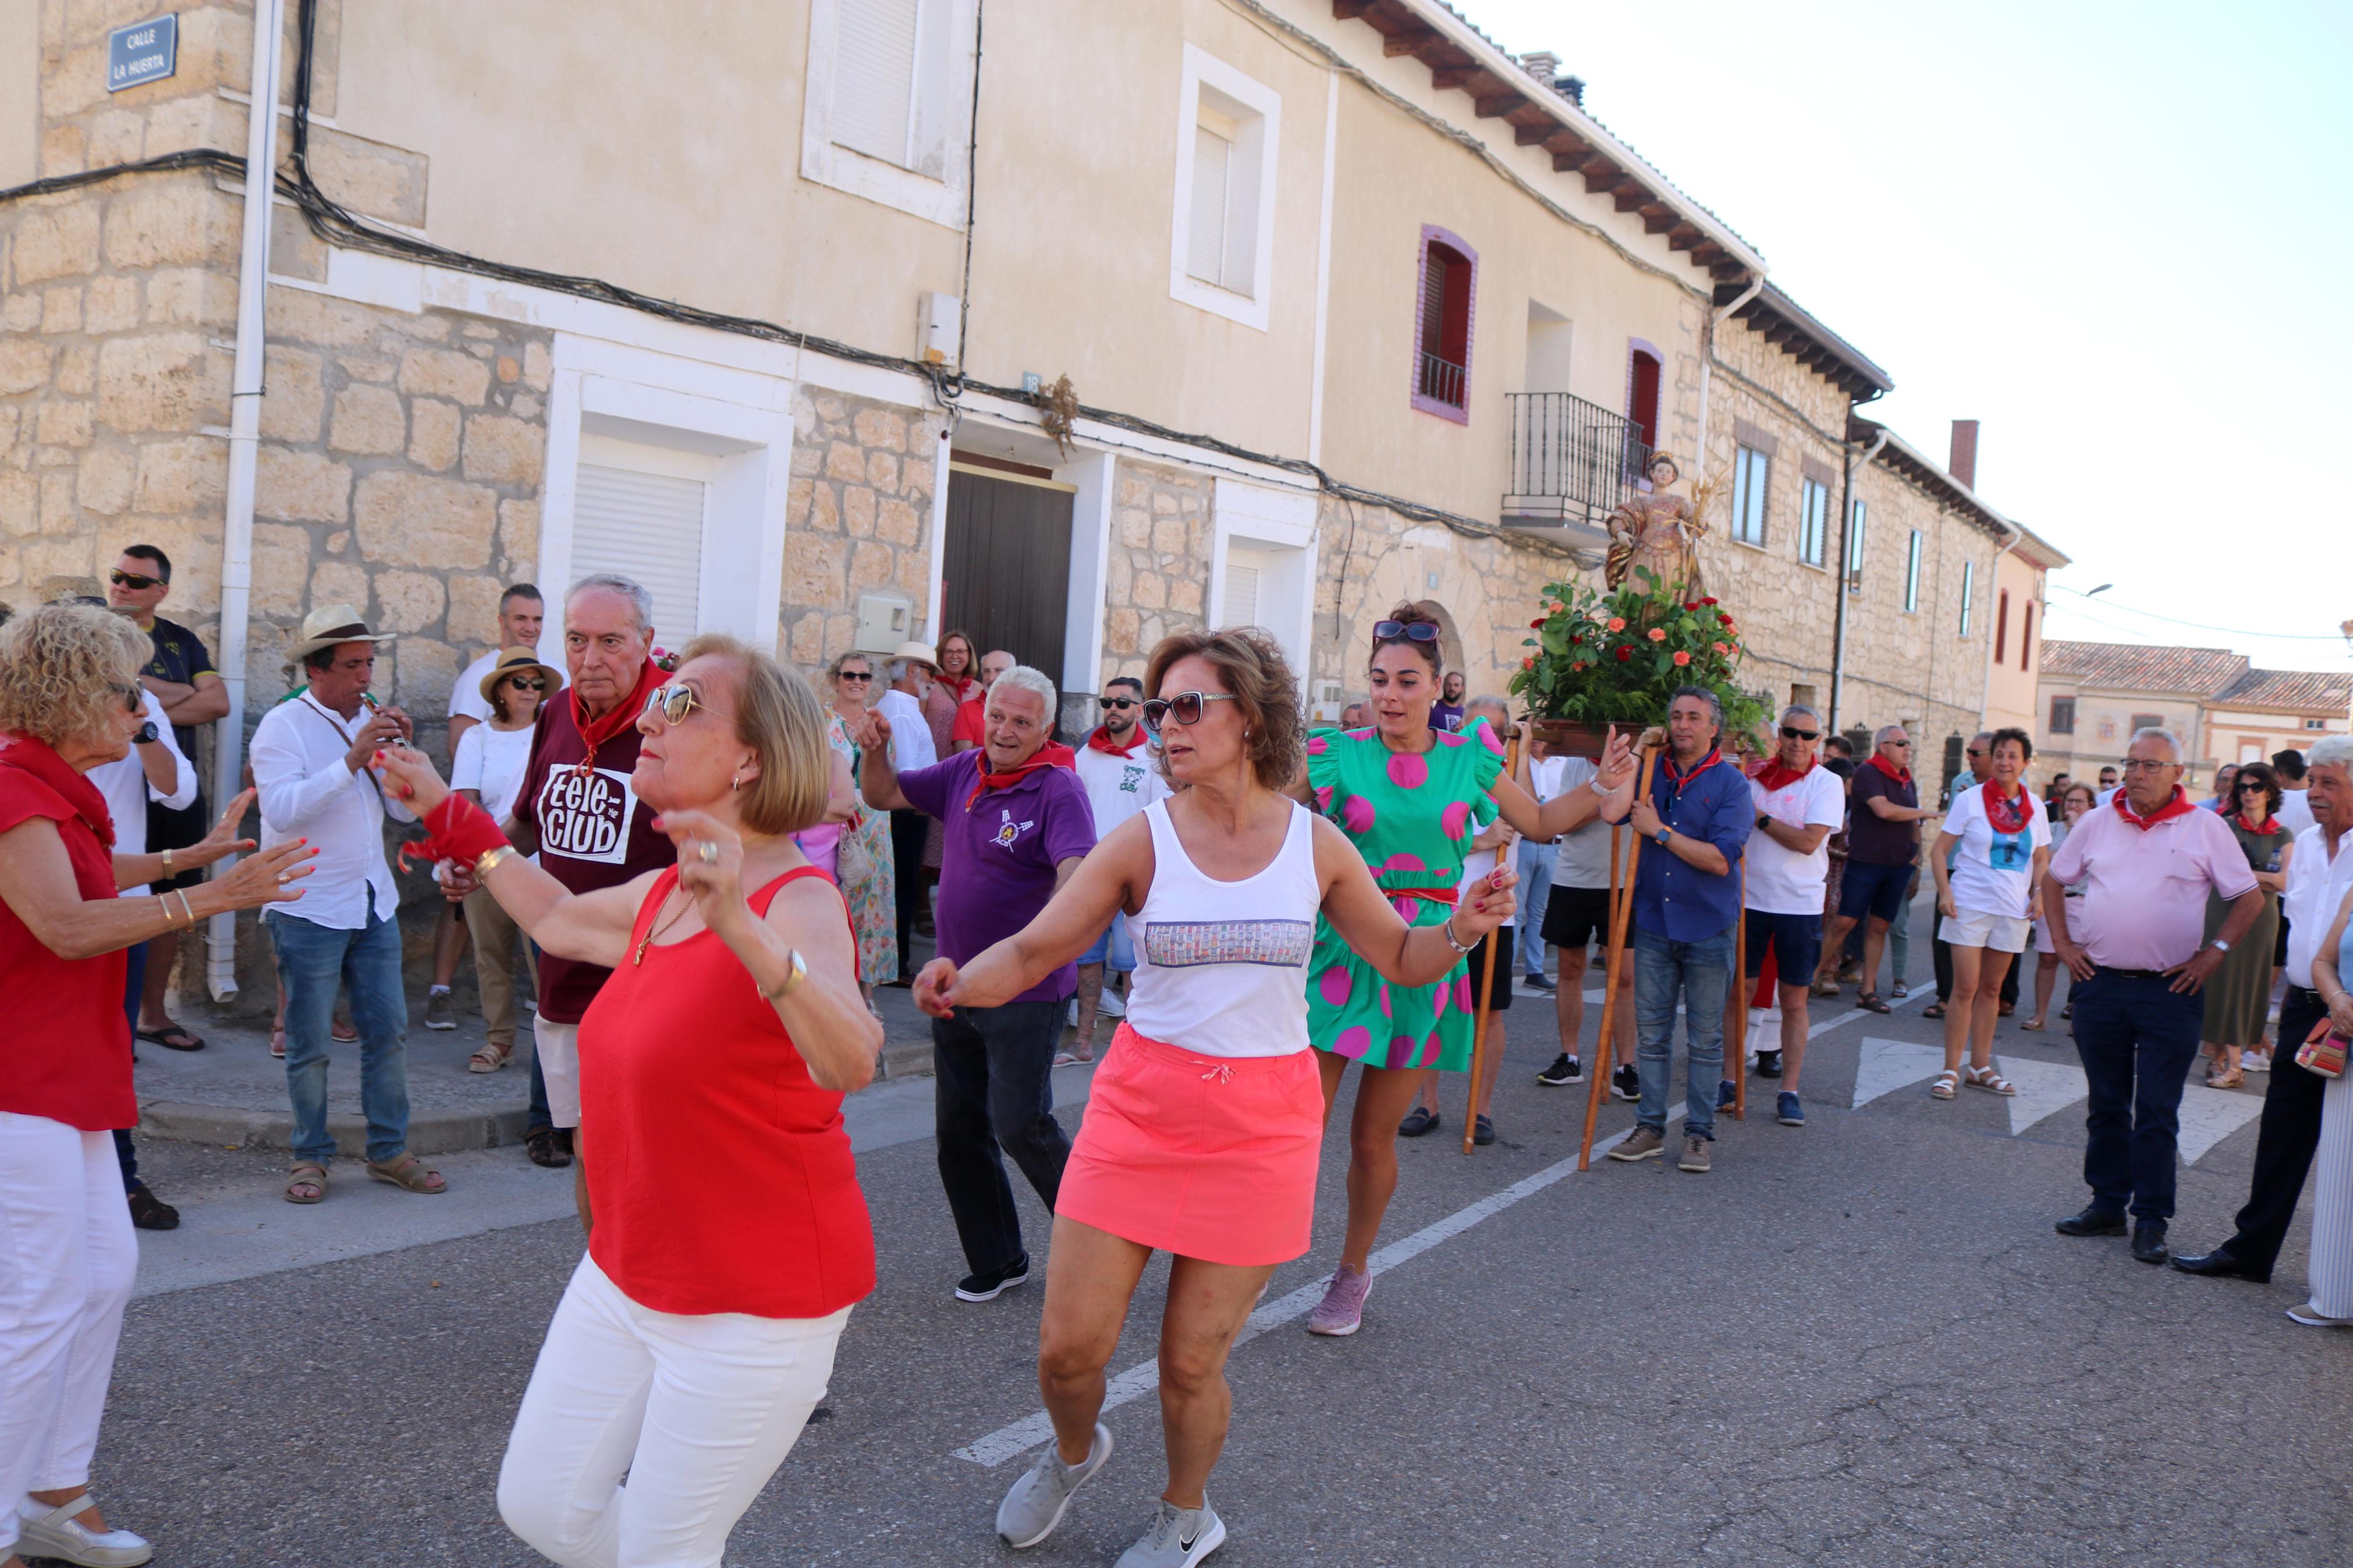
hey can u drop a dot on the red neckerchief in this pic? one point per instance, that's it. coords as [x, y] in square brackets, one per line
[2178, 806]
[1667, 765]
[1100, 740]
[36, 756]
[1777, 775]
[957, 685]
[1900, 775]
[1052, 754]
[2270, 824]
[2005, 814]
[594, 732]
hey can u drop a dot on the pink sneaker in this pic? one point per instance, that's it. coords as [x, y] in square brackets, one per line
[1341, 1311]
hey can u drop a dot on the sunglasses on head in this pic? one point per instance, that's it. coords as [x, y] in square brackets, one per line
[1184, 707]
[1125, 702]
[1417, 631]
[1791, 733]
[674, 702]
[132, 579]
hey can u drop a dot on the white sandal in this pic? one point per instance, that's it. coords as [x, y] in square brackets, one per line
[59, 1533]
[1988, 1077]
[1945, 1086]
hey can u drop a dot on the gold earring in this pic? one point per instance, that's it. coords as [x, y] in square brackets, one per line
[737, 782]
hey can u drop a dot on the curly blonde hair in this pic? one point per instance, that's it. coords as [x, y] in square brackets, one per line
[64, 670]
[1250, 667]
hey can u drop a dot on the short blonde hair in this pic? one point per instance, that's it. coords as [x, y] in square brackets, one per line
[64, 668]
[778, 715]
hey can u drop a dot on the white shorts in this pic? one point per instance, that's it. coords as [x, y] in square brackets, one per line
[559, 1046]
[2042, 942]
[1970, 928]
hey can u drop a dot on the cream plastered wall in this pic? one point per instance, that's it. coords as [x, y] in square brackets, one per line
[20, 97]
[2011, 692]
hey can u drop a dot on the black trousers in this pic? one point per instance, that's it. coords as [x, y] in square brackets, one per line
[908, 831]
[993, 1096]
[2290, 1132]
[1944, 961]
[2137, 1037]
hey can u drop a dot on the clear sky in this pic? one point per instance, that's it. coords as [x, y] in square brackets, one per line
[2111, 232]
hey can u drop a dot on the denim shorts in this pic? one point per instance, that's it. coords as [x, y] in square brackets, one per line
[1796, 941]
[1112, 949]
[1876, 890]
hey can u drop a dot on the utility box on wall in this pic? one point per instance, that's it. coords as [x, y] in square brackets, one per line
[939, 319]
[883, 622]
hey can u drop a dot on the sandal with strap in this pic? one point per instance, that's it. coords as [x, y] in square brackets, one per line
[491, 1058]
[1933, 1010]
[60, 1535]
[278, 1044]
[1988, 1077]
[306, 1179]
[1826, 988]
[405, 1172]
[1945, 1086]
[1870, 1002]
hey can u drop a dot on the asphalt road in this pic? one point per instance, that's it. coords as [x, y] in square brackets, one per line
[1855, 1342]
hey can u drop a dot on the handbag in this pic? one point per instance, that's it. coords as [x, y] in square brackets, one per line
[2323, 1055]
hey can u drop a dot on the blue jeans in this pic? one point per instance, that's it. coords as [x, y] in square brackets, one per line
[1535, 890]
[1702, 972]
[312, 960]
[1113, 948]
[2138, 1039]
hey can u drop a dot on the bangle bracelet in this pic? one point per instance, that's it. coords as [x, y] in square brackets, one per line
[488, 861]
[183, 895]
[795, 973]
[167, 862]
[1447, 925]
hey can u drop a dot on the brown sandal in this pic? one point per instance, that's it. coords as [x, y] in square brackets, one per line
[303, 1178]
[491, 1058]
[403, 1171]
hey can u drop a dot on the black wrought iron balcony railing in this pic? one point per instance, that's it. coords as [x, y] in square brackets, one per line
[1443, 381]
[1572, 461]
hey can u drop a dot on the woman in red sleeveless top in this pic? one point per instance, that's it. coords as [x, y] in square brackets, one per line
[729, 1238]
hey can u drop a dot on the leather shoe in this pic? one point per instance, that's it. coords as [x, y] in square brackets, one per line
[2091, 1222]
[2221, 1263]
[2148, 1243]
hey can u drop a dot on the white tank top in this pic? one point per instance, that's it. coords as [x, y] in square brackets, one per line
[1221, 967]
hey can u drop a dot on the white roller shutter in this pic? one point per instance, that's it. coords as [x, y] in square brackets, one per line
[874, 78]
[1242, 569]
[647, 528]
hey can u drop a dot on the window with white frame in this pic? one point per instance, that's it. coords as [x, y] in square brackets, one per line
[1857, 515]
[889, 100]
[1262, 564]
[1968, 593]
[644, 521]
[1912, 575]
[1751, 470]
[1228, 130]
[1813, 521]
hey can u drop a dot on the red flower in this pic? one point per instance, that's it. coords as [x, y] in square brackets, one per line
[1681, 658]
[1725, 619]
[1691, 603]
[1536, 625]
[1707, 601]
[1528, 663]
[1624, 653]
[1722, 647]
[1574, 640]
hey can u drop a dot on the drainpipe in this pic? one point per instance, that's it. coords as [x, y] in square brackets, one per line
[1846, 555]
[244, 437]
[1708, 359]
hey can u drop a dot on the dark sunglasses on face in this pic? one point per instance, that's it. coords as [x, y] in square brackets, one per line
[1790, 732]
[1123, 701]
[527, 682]
[131, 697]
[1184, 707]
[131, 580]
[1391, 631]
[855, 675]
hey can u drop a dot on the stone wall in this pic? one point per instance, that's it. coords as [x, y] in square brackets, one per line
[857, 518]
[1914, 667]
[1156, 580]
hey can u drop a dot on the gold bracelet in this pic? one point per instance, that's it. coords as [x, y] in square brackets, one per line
[184, 908]
[796, 971]
[489, 859]
[167, 862]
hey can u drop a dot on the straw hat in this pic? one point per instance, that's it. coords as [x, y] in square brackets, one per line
[329, 626]
[921, 652]
[515, 661]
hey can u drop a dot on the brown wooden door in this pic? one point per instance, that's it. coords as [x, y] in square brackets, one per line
[1006, 578]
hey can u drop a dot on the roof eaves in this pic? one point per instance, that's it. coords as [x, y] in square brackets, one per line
[1857, 375]
[1932, 474]
[2040, 551]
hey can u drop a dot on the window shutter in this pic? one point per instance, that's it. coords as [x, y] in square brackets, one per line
[1241, 593]
[647, 528]
[1433, 299]
[2002, 629]
[1205, 245]
[2026, 638]
[874, 78]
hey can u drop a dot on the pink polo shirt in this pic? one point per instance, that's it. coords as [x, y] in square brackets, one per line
[2144, 889]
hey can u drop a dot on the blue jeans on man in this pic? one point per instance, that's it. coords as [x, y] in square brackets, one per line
[1700, 973]
[2137, 1037]
[312, 962]
[1535, 862]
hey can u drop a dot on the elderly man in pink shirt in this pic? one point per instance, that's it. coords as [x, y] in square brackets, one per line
[2147, 859]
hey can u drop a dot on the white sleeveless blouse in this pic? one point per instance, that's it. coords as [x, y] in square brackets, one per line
[1221, 967]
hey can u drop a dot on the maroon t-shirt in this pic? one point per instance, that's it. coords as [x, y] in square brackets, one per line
[592, 831]
[1871, 838]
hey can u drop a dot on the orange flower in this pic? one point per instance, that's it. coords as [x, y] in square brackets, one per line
[1557, 607]
[1617, 623]
[1722, 648]
[1681, 658]
[1528, 663]
[1658, 633]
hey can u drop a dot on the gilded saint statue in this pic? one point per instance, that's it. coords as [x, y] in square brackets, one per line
[1658, 531]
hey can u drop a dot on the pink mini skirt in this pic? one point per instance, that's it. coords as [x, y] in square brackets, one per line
[1207, 1157]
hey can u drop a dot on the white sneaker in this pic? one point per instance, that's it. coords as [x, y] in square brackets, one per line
[45, 1531]
[1112, 1004]
[2254, 1062]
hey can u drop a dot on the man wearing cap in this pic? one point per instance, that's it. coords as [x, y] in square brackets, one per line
[914, 667]
[311, 757]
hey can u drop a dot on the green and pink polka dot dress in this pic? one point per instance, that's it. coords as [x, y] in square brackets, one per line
[1412, 817]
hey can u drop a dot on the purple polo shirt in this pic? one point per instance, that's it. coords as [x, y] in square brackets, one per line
[997, 867]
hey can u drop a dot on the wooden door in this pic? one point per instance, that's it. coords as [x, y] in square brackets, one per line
[1006, 578]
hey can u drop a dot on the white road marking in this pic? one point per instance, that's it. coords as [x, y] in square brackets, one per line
[2210, 1115]
[2043, 1089]
[1889, 1065]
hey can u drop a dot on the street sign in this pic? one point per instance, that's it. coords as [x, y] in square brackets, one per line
[142, 52]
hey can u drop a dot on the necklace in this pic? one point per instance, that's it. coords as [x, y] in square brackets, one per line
[660, 926]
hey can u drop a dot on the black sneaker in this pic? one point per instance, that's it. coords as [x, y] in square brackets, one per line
[1626, 1083]
[1564, 1069]
[1768, 1064]
[149, 1212]
[1543, 982]
[990, 1286]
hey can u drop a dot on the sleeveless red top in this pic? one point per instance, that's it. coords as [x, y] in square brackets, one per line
[720, 1174]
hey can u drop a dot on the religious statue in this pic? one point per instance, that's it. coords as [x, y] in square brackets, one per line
[1657, 532]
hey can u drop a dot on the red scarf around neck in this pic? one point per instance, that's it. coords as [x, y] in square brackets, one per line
[2005, 813]
[1667, 765]
[1777, 775]
[959, 686]
[1900, 775]
[594, 732]
[1052, 754]
[2269, 826]
[38, 758]
[1100, 740]
[2178, 806]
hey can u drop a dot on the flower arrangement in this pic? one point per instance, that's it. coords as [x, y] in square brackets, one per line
[664, 660]
[1615, 657]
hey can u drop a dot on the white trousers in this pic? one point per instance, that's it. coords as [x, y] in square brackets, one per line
[698, 1411]
[559, 1046]
[2330, 1266]
[67, 1258]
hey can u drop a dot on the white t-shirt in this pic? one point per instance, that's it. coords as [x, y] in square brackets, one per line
[1118, 787]
[1992, 871]
[466, 699]
[2295, 810]
[1780, 881]
[493, 761]
[1478, 864]
[910, 733]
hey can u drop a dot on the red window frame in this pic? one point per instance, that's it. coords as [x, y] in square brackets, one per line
[1451, 328]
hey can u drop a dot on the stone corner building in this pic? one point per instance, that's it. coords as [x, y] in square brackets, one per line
[1383, 315]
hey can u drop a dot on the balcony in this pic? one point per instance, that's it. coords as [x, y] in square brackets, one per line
[1573, 462]
[1443, 381]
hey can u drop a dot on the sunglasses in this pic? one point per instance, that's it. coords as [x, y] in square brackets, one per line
[674, 702]
[1790, 732]
[132, 579]
[1417, 631]
[528, 682]
[1125, 702]
[2256, 784]
[1904, 743]
[855, 675]
[1185, 706]
[131, 698]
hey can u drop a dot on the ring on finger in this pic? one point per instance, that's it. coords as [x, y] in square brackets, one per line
[707, 852]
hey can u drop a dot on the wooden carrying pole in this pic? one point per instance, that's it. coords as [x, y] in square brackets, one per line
[1511, 752]
[1736, 1058]
[1622, 904]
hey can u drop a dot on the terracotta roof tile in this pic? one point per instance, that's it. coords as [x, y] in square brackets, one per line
[2313, 691]
[2135, 667]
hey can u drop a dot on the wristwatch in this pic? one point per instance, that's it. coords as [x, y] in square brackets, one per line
[1662, 836]
[147, 735]
[2218, 946]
